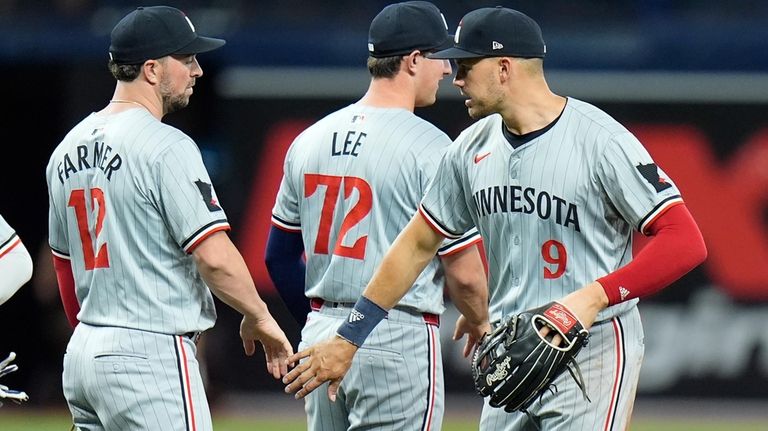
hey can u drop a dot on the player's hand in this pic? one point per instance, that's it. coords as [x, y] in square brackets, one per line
[327, 361]
[474, 332]
[586, 302]
[9, 394]
[277, 348]
[6, 393]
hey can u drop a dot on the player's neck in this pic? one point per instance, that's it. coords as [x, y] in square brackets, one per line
[124, 99]
[527, 114]
[388, 93]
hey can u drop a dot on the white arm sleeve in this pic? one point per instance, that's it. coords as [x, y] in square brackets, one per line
[15, 270]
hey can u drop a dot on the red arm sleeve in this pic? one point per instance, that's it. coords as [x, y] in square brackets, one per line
[675, 248]
[66, 281]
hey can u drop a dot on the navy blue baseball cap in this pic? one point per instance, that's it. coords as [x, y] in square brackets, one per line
[495, 32]
[401, 28]
[154, 32]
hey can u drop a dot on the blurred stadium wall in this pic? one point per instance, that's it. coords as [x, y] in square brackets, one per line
[688, 78]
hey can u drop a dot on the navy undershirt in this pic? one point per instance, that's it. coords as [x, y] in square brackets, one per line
[516, 140]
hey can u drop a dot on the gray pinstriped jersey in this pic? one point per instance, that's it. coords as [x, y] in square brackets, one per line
[7, 235]
[129, 199]
[557, 212]
[351, 183]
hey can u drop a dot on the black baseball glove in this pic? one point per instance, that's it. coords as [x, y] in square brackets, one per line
[515, 364]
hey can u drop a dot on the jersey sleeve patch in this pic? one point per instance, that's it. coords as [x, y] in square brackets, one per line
[206, 190]
[651, 174]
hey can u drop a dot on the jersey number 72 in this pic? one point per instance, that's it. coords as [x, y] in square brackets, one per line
[361, 209]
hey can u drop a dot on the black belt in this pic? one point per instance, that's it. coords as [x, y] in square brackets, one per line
[316, 304]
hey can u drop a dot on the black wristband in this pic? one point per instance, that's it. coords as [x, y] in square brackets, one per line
[361, 320]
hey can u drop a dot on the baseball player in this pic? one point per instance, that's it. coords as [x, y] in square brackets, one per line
[138, 234]
[15, 270]
[555, 186]
[15, 262]
[351, 183]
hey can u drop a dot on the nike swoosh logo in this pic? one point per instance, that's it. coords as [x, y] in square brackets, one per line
[479, 157]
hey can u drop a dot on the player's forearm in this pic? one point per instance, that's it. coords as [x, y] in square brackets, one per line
[467, 285]
[413, 249]
[66, 281]
[285, 264]
[675, 248]
[224, 271]
[235, 288]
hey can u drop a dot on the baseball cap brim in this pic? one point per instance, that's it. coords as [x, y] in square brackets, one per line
[201, 44]
[454, 53]
[442, 47]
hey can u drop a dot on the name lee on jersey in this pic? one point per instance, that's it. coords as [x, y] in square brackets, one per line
[516, 199]
[350, 145]
[99, 157]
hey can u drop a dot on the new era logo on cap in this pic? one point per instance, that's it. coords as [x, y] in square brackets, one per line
[495, 32]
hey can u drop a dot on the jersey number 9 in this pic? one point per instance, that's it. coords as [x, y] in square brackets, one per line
[560, 258]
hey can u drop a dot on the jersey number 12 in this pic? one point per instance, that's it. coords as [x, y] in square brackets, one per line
[77, 201]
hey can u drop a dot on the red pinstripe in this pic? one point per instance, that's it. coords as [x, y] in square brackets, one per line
[188, 388]
[463, 247]
[434, 226]
[194, 245]
[11, 247]
[616, 382]
[433, 375]
[662, 211]
[285, 228]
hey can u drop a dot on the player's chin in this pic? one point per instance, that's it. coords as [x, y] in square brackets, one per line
[475, 113]
[175, 104]
[426, 101]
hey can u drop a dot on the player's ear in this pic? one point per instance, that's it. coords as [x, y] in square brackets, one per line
[151, 69]
[505, 66]
[411, 60]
